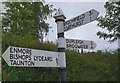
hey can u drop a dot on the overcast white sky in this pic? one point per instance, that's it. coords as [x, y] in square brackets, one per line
[85, 32]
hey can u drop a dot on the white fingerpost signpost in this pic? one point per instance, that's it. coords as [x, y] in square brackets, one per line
[25, 57]
[60, 19]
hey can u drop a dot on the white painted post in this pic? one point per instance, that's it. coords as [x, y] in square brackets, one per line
[60, 19]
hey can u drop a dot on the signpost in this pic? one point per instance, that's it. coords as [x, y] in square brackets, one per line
[25, 57]
[80, 20]
[72, 44]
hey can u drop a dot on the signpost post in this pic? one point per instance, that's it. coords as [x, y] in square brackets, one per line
[59, 19]
[25, 57]
[80, 20]
[80, 44]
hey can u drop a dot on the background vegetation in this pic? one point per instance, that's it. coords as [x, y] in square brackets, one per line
[94, 66]
[110, 22]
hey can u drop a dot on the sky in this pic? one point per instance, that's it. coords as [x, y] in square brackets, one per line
[85, 32]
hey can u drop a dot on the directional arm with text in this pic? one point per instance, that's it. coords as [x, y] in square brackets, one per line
[25, 57]
[80, 20]
[80, 44]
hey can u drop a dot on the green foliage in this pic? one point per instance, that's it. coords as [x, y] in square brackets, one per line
[27, 41]
[110, 22]
[27, 18]
[91, 67]
[97, 66]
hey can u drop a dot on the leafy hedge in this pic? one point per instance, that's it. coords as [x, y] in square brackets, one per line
[94, 66]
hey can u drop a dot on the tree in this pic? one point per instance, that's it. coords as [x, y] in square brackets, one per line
[110, 22]
[27, 18]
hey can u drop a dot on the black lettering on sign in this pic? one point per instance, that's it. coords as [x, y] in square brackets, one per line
[81, 23]
[91, 44]
[91, 47]
[20, 53]
[35, 58]
[11, 50]
[50, 59]
[20, 56]
[90, 14]
[75, 46]
[43, 58]
[11, 56]
[72, 41]
[67, 45]
[67, 40]
[75, 22]
[22, 63]
[20, 50]
[57, 61]
[14, 56]
[83, 16]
